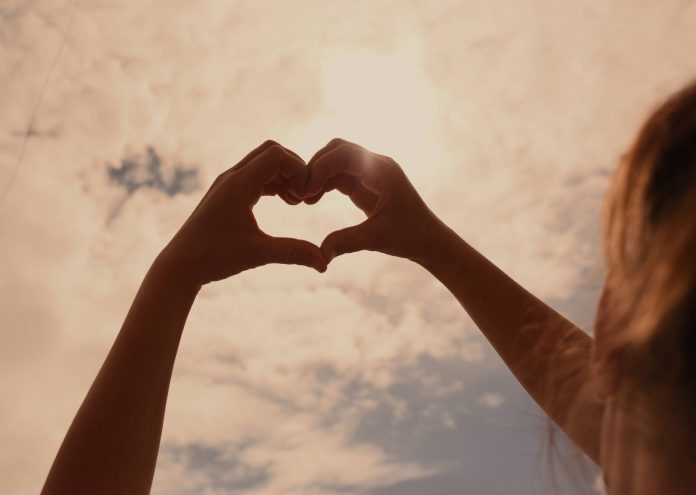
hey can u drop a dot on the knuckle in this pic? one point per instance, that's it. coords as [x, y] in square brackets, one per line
[269, 142]
[222, 177]
[336, 142]
[275, 151]
[392, 163]
[217, 180]
[345, 146]
[393, 167]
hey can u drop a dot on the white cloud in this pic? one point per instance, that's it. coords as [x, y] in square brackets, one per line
[491, 399]
[502, 117]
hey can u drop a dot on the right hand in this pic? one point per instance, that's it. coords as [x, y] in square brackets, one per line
[398, 223]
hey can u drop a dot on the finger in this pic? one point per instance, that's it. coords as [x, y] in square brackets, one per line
[288, 195]
[240, 165]
[342, 183]
[278, 188]
[297, 184]
[273, 163]
[329, 146]
[272, 189]
[246, 160]
[290, 185]
[349, 240]
[293, 153]
[289, 251]
[351, 187]
[344, 159]
[290, 189]
[257, 151]
[311, 200]
[339, 183]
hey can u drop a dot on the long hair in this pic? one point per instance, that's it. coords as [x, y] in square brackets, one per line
[649, 339]
[646, 342]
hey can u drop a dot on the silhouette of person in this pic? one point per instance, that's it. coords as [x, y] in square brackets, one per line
[624, 397]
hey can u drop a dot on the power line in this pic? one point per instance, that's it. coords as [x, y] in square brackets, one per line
[35, 111]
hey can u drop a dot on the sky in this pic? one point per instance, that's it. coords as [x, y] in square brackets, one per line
[508, 117]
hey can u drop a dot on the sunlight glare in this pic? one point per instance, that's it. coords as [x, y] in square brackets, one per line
[384, 103]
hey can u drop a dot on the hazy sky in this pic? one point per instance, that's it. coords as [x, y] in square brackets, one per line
[370, 379]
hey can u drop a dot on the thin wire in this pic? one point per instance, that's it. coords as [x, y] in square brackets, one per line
[35, 112]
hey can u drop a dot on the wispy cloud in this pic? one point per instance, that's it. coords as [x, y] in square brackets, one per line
[368, 378]
[150, 172]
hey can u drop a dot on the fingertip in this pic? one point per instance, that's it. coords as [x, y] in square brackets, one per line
[313, 188]
[313, 257]
[315, 179]
[291, 200]
[298, 157]
[328, 250]
[299, 180]
[289, 195]
[319, 265]
[310, 200]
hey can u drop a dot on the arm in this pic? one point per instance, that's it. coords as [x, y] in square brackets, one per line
[111, 446]
[548, 354]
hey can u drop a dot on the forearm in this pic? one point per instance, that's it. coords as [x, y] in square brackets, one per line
[547, 354]
[111, 446]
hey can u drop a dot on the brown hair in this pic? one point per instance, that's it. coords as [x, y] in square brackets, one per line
[650, 252]
[645, 338]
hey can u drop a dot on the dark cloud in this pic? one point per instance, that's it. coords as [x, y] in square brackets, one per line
[220, 465]
[580, 214]
[14, 10]
[424, 417]
[150, 172]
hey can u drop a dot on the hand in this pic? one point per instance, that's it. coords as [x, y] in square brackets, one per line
[398, 221]
[221, 237]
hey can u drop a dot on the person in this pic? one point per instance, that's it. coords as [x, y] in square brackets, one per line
[625, 397]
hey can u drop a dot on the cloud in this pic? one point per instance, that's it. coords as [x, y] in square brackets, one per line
[490, 399]
[369, 378]
[15, 8]
[217, 468]
[135, 173]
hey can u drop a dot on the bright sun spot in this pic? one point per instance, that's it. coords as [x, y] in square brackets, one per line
[382, 102]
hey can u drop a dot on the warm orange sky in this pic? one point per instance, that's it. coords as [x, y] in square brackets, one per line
[368, 379]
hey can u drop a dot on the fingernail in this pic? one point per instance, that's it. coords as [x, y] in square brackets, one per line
[310, 189]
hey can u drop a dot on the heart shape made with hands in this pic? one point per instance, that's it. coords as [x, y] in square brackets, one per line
[222, 238]
[319, 212]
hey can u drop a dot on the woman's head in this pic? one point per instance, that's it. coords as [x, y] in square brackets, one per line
[646, 334]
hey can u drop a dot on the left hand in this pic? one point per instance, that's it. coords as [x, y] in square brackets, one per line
[222, 238]
[398, 223]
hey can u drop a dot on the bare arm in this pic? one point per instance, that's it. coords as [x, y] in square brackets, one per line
[548, 354]
[111, 446]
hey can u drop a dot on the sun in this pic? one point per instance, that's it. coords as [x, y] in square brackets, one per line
[384, 102]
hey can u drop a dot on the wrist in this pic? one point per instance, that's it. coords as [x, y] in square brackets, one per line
[171, 271]
[438, 242]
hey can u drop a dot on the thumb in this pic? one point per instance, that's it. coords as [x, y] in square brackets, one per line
[289, 251]
[348, 240]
